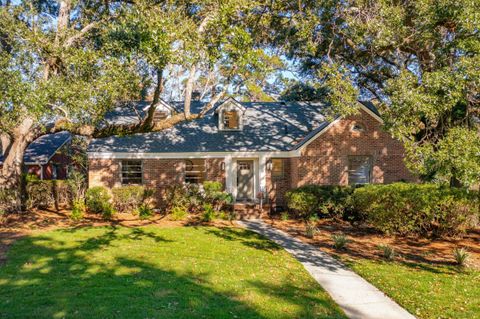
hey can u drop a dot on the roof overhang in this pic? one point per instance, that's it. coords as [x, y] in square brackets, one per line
[228, 102]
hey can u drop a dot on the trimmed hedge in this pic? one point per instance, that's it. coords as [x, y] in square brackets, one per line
[326, 200]
[417, 209]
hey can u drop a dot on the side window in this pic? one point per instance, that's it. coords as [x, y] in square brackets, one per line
[132, 172]
[359, 170]
[194, 171]
[277, 167]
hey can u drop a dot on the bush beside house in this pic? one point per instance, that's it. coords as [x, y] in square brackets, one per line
[399, 208]
[418, 209]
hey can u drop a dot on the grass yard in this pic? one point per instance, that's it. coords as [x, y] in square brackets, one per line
[152, 272]
[427, 291]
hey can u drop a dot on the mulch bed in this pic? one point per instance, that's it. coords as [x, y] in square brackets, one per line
[364, 242]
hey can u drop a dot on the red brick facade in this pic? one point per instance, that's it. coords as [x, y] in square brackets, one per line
[323, 161]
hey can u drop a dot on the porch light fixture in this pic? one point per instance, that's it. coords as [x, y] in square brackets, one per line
[222, 166]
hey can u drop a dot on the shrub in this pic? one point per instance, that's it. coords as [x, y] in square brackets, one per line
[284, 216]
[208, 213]
[96, 198]
[178, 213]
[8, 202]
[301, 202]
[145, 211]
[426, 209]
[339, 241]
[108, 210]
[48, 193]
[128, 198]
[78, 210]
[212, 187]
[388, 252]
[188, 196]
[77, 184]
[310, 230]
[40, 194]
[214, 194]
[326, 200]
[461, 256]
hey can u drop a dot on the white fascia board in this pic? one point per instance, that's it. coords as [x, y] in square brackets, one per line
[186, 155]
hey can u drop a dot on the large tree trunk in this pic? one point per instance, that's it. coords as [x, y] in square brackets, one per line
[11, 172]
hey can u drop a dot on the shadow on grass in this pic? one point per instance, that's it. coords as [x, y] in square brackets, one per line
[246, 237]
[48, 277]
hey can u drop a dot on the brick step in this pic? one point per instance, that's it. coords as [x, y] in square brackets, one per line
[250, 210]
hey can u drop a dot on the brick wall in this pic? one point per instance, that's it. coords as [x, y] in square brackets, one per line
[325, 160]
[157, 173]
[214, 172]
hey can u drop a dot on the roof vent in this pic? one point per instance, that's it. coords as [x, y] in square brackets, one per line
[285, 128]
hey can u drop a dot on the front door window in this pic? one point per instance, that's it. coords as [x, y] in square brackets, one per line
[245, 180]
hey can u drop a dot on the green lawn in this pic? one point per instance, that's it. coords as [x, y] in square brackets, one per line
[426, 291]
[151, 272]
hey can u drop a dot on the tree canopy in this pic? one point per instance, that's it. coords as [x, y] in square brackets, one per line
[64, 64]
[419, 60]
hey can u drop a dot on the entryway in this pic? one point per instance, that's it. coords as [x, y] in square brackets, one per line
[245, 180]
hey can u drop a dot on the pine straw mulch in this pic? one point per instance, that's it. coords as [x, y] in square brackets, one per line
[364, 242]
[16, 225]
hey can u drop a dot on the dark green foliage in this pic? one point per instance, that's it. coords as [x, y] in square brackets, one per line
[192, 197]
[48, 193]
[214, 194]
[188, 196]
[419, 209]
[208, 213]
[325, 200]
[108, 210]
[7, 200]
[96, 198]
[145, 211]
[129, 198]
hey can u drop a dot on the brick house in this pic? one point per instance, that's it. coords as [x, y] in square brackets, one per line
[256, 149]
[48, 156]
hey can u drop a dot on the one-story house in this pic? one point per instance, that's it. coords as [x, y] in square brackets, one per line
[48, 156]
[256, 149]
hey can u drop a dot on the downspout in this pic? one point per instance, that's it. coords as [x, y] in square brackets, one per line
[41, 172]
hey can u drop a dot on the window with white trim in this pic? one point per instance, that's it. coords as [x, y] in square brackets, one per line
[359, 170]
[132, 172]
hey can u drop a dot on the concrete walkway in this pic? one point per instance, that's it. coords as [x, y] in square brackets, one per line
[352, 293]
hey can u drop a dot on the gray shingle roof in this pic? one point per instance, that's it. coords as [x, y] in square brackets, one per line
[268, 126]
[43, 148]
